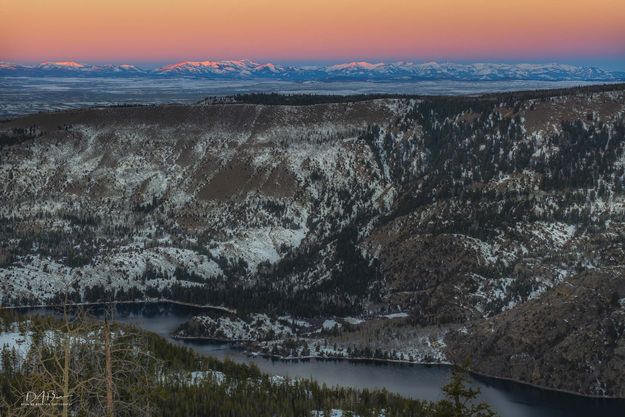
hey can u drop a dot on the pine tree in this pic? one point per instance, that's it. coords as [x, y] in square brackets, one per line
[460, 397]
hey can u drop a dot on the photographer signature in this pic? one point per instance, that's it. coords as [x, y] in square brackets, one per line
[45, 398]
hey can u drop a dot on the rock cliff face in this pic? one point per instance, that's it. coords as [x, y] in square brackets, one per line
[501, 216]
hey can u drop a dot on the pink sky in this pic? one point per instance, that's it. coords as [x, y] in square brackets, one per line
[320, 30]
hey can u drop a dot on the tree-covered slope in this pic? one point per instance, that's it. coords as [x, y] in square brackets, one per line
[461, 213]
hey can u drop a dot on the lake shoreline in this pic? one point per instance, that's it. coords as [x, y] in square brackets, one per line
[398, 362]
[233, 343]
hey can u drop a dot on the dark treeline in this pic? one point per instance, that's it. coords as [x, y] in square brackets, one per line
[307, 99]
[311, 99]
[341, 294]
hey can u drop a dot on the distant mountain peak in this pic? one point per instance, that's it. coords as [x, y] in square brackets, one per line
[8, 65]
[268, 66]
[356, 65]
[62, 64]
[208, 64]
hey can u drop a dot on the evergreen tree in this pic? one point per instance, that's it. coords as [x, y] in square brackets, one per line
[460, 398]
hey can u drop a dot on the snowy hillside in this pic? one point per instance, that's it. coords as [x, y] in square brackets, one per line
[455, 217]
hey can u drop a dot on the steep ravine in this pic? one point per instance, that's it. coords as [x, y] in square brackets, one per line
[487, 228]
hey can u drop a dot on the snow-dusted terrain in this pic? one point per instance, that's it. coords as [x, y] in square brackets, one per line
[441, 227]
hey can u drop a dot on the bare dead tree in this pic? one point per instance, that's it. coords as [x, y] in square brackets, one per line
[125, 358]
[57, 369]
[109, 368]
[83, 366]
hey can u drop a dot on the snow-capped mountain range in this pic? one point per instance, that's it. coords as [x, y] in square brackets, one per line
[356, 71]
[68, 68]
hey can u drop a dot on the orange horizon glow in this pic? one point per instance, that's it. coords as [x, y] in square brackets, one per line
[160, 30]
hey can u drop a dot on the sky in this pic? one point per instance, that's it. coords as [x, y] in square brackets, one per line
[588, 32]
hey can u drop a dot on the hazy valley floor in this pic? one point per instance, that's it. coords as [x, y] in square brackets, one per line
[24, 95]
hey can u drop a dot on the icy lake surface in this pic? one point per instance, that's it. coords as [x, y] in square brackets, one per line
[24, 95]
